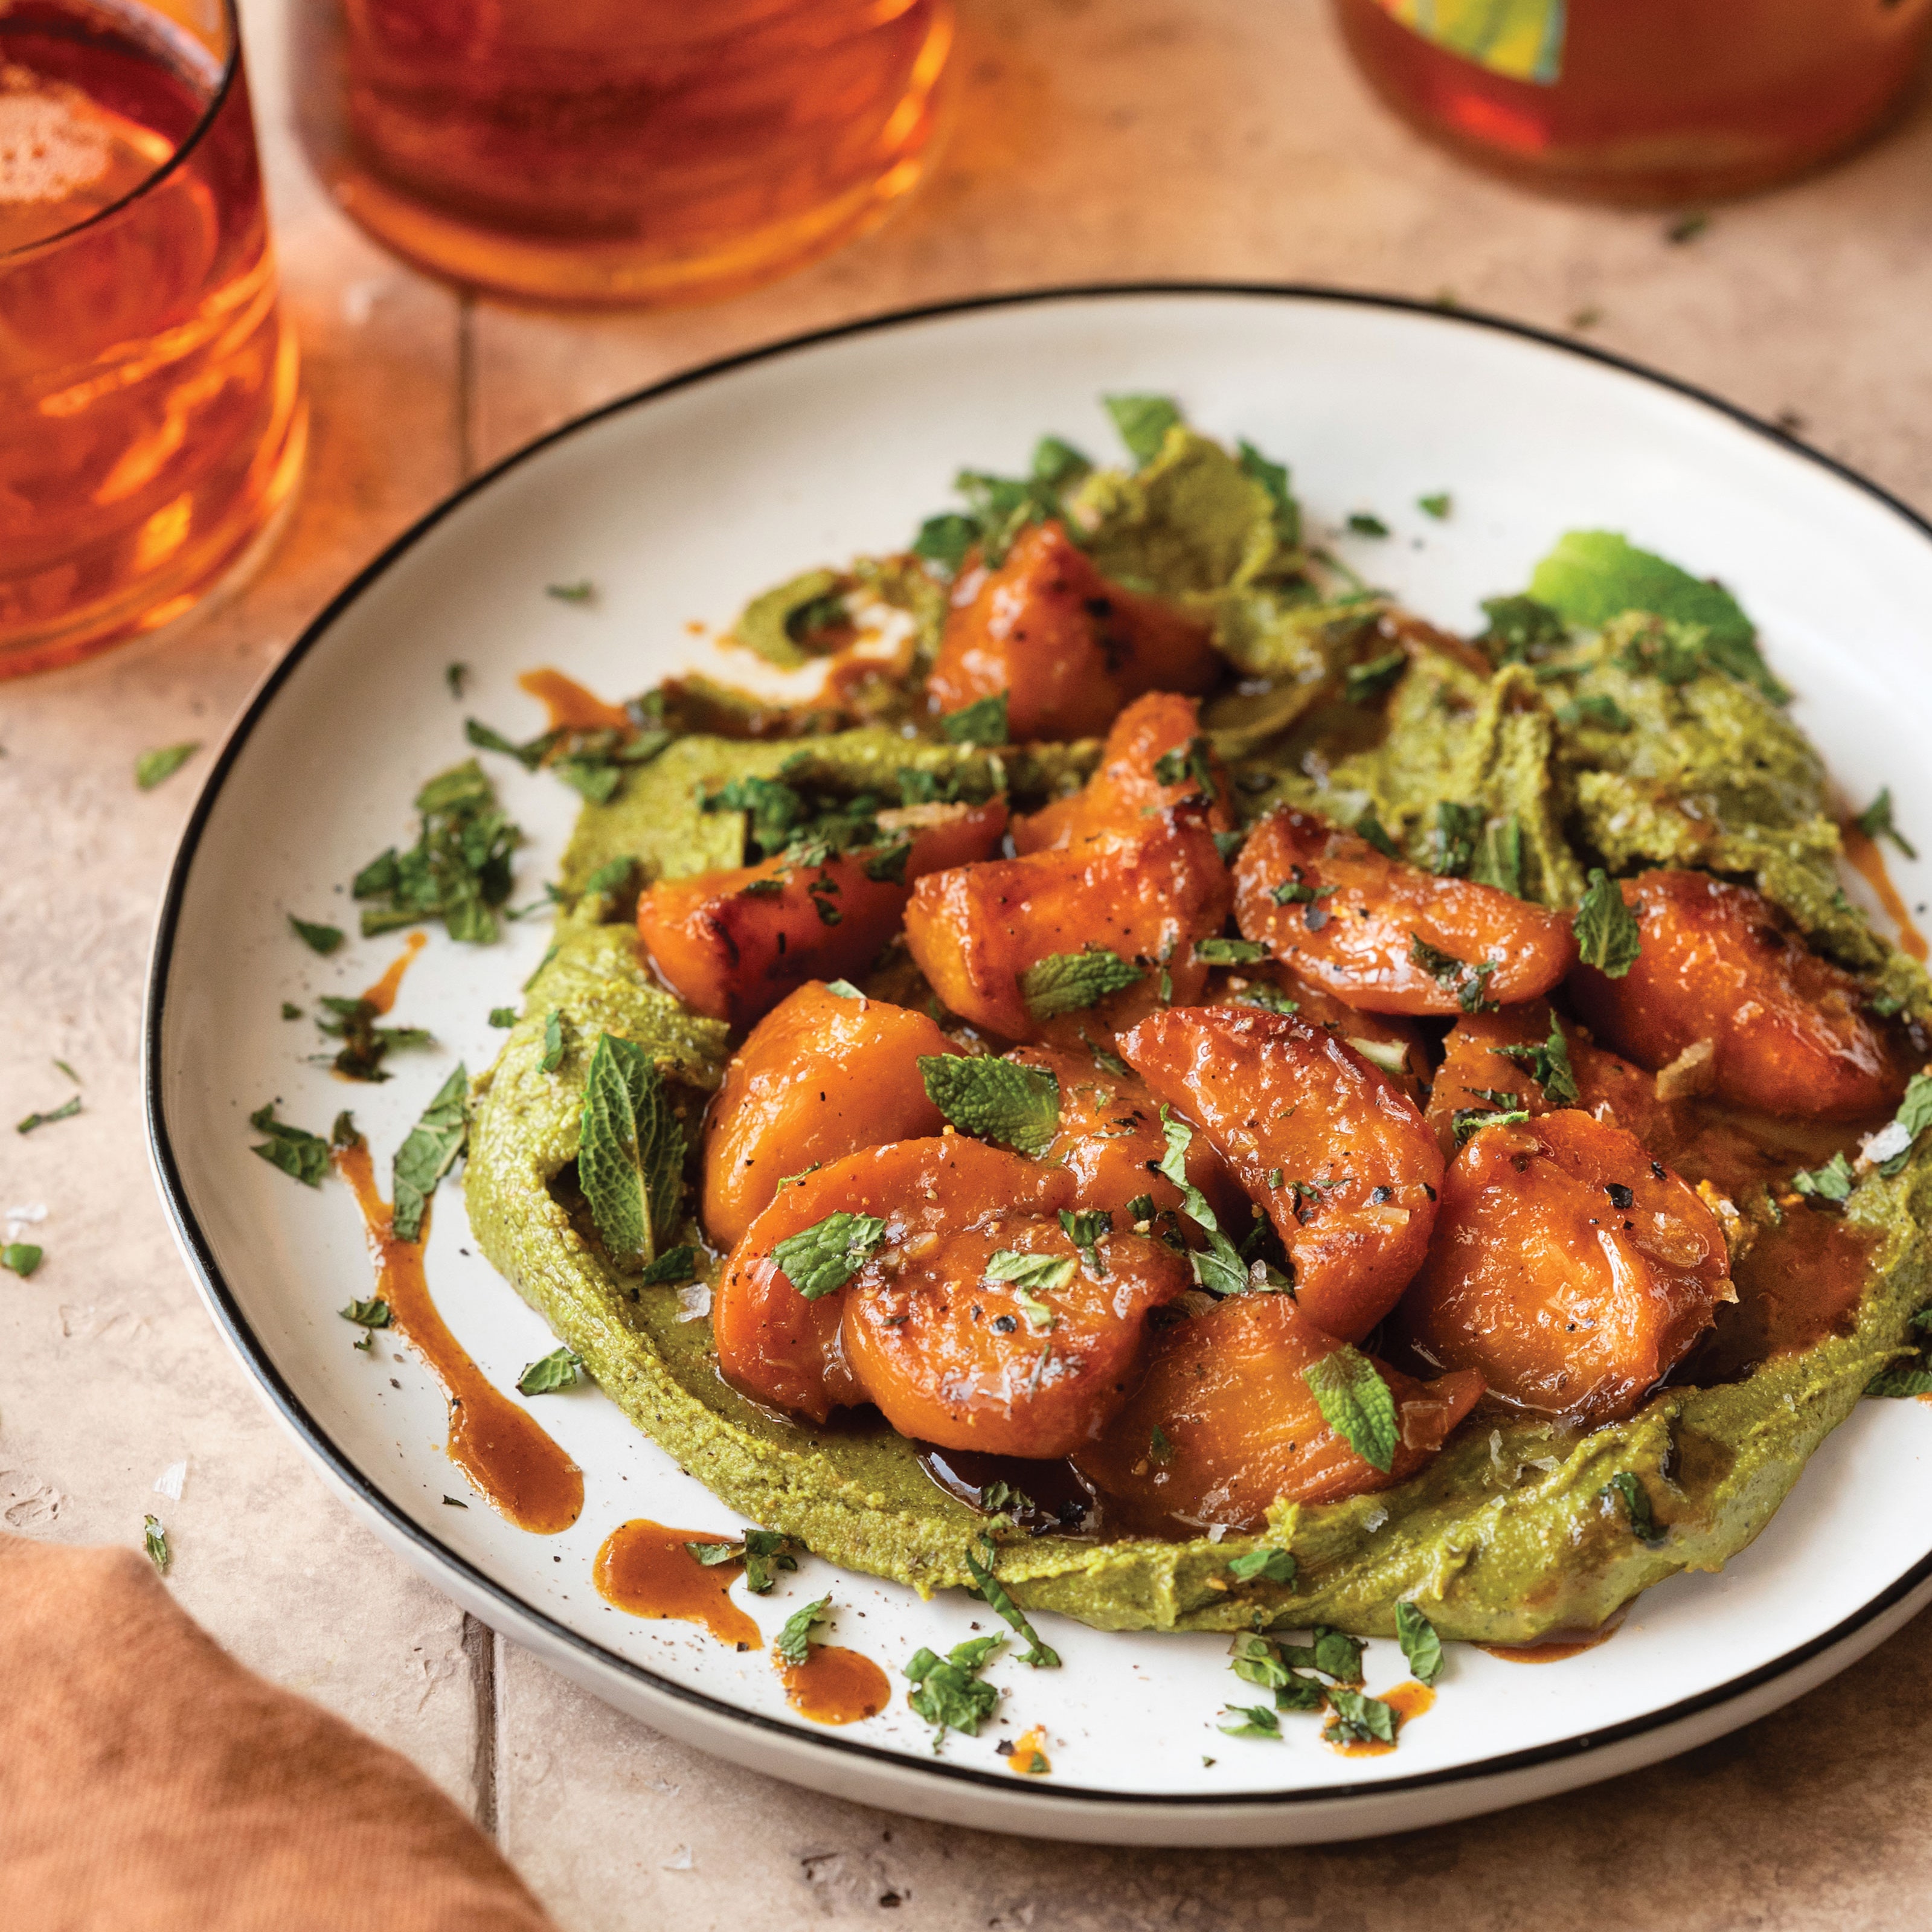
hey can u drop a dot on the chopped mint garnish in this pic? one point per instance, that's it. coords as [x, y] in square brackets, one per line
[151, 767]
[21, 1258]
[1419, 1644]
[948, 1692]
[1143, 422]
[983, 722]
[824, 1257]
[1356, 1404]
[1876, 822]
[154, 1541]
[428, 1153]
[1066, 982]
[1263, 1566]
[1000, 1100]
[1608, 936]
[1549, 1066]
[319, 938]
[630, 1158]
[1217, 1267]
[65, 1110]
[298, 1153]
[1041, 1656]
[558, 1369]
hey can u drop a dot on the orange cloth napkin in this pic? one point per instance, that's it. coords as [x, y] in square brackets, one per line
[148, 1783]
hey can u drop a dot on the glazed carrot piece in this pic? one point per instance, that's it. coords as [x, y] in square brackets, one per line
[1225, 1422]
[1035, 1366]
[1111, 1142]
[1490, 1062]
[732, 944]
[1385, 935]
[1155, 757]
[1398, 1046]
[1003, 943]
[820, 1077]
[1569, 1269]
[1068, 648]
[1330, 1146]
[777, 1346]
[1789, 1032]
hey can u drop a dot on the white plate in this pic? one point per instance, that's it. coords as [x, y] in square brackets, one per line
[679, 502]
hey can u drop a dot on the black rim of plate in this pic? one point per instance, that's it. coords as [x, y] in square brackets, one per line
[228, 1312]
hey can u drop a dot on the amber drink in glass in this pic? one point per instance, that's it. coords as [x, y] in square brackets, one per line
[619, 150]
[1641, 101]
[151, 420]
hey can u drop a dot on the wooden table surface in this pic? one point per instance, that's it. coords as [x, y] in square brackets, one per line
[1096, 140]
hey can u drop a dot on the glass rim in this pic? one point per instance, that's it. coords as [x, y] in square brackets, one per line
[231, 68]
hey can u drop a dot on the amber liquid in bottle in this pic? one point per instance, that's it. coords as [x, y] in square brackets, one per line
[150, 421]
[620, 151]
[1659, 101]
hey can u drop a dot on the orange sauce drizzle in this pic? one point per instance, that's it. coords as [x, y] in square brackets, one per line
[1029, 1759]
[572, 708]
[382, 996]
[835, 1686]
[515, 1466]
[1555, 1651]
[1407, 1701]
[1868, 862]
[644, 1568]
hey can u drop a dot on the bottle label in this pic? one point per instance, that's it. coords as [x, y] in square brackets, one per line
[1523, 39]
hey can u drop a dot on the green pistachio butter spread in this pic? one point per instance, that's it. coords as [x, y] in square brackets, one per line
[1507, 1534]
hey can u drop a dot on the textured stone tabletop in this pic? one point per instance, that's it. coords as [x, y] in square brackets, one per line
[1097, 140]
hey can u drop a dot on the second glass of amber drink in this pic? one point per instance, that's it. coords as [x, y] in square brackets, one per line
[619, 150]
[151, 426]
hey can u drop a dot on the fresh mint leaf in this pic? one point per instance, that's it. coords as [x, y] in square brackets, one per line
[1359, 1719]
[1876, 822]
[1143, 422]
[554, 1045]
[373, 1313]
[1057, 464]
[302, 1155]
[1363, 683]
[1457, 829]
[1032, 1273]
[557, 1370]
[1251, 1720]
[825, 1256]
[1194, 759]
[1001, 1100]
[458, 871]
[1834, 1181]
[1356, 1404]
[323, 939]
[1420, 1646]
[1608, 936]
[1437, 505]
[1904, 1379]
[1470, 983]
[1370, 827]
[1229, 951]
[65, 1110]
[154, 1541]
[1599, 709]
[1891, 1148]
[948, 1692]
[1592, 576]
[672, 1269]
[502, 1016]
[1270, 999]
[613, 876]
[945, 539]
[793, 1645]
[1083, 1228]
[1498, 856]
[1635, 1500]
[427, 1152]
[1263, 1566]
[1520, 630]
[21, 1258]
[1466, 1122]
[1549, 1066]
[767, 1552]
[630, 1158]
[1067, 982]
[1040, 1656]
[1273, 477]
[151, 767]
[1217, 1267]
[983, 723]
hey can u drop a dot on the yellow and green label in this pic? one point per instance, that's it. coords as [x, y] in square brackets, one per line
[1521, 38]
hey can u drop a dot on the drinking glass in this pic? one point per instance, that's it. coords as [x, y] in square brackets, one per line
[151, 424]
[1657, 101]
[619, 150]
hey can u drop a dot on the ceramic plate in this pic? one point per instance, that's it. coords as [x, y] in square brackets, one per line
[678, 504]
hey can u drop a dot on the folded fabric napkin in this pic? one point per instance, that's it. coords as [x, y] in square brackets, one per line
[149, 1784]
